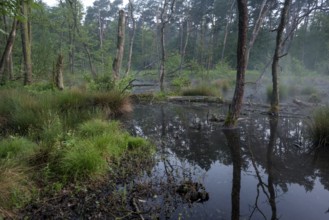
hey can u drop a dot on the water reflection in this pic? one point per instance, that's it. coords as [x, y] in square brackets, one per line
[233, 141]
[273, 173]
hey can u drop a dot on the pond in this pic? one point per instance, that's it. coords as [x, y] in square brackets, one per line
[262, 170]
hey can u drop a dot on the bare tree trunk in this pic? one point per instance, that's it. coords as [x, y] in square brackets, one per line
[131, 43]
[271, 145]
[182, 58]
[277, 55]
[163, 57]
[226, 29]
[117, 62]
[165, 17]
[6, 56]
[59, 82]
[233, 140]
[26, 43]
[262, 13]
[9, 69]
[235, 107]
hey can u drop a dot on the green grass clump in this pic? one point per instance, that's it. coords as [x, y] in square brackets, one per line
[21, 110]
[14, 147]
[200, 91]
[82, 161]
[319, 127]
[15, 187]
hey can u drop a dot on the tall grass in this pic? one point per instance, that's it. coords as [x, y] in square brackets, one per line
[319, 128]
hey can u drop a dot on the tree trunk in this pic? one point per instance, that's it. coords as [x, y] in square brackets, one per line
[163, 58]
[235, 107]
[233, 141]
[271, 145]
[277, 54]
[226, 29]
[59, 82]
[182, 58]
[117, 62]
[26, 43]
[6, 56]
[262, 13]
[131, 43]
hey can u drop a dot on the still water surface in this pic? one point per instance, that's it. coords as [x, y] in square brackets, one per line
[265, 163]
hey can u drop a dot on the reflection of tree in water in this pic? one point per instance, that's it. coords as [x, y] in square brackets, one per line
[233, 141]
[170, 126]
[291, 162]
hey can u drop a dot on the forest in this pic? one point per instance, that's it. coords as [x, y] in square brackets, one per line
[163, 109]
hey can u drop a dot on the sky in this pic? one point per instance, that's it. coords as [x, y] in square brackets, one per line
[85, 3]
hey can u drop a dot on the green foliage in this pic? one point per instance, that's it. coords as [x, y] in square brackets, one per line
[319, 127]
[135, 142]
[16, 147]
[20, 110]
[180, 82]
[82, 161]
[223, 68]
[202, 90]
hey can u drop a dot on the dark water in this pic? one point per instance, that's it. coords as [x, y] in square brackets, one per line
[265, 163]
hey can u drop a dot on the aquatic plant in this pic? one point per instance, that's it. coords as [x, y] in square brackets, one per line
[319, 128]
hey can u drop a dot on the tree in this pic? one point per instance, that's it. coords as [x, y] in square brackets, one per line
[235, 107]
[26, 41]
[276, 57]
[117, 62]
[132, 37]
[166, 13]
[5, 59]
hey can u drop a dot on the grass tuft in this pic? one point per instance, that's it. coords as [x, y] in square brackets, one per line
[319, 127]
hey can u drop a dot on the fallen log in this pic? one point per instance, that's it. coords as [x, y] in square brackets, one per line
[301, 103]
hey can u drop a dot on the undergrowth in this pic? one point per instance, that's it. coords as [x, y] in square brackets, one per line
[53, 139]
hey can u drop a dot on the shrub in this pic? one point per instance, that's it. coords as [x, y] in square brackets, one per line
[319, 127]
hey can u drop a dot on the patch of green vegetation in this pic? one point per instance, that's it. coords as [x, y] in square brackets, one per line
[16, 147]
[202, 90]
[55, 138]
[319, 127]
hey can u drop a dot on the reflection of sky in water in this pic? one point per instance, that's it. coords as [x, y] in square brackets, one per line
[299, 182]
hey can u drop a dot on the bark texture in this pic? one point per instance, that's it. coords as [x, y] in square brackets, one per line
[117, 62]
[132, 38]
[276, 57]
[59, 82]
[235, 107]
[6, 56]
[26, 43]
